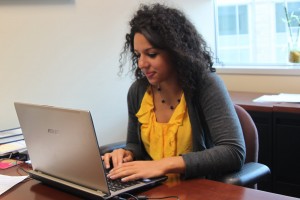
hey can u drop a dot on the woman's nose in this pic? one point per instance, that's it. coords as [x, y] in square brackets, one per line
[142, 62]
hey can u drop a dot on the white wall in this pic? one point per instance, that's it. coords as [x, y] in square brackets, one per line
[65, 53]
[262, 83]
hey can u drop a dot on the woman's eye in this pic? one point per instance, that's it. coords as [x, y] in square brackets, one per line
[152, 55]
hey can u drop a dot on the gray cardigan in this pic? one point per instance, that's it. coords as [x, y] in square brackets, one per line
[218, 143]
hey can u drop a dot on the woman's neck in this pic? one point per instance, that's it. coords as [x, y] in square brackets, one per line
[167, 95]
[170, 87]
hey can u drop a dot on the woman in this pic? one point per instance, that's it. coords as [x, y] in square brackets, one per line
[181, 118]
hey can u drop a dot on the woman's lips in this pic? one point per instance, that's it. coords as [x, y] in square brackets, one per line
[149, 74]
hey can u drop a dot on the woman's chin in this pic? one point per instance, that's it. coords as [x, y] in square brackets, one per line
[152, 81]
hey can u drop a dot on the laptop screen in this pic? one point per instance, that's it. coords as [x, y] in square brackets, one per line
[62, 143]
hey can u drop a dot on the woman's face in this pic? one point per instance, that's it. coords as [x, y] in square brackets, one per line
[154, 63]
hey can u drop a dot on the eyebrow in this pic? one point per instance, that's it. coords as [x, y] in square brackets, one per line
[150, 48]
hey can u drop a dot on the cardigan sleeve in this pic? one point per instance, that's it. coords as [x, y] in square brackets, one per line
[224, 148]
[134, 97]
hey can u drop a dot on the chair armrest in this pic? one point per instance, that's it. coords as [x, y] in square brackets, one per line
[250, 174]
[110, 147]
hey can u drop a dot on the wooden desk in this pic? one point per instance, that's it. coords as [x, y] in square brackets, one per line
[185, 190]
[245, 99]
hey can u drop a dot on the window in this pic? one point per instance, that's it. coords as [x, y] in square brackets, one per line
[254, 32]
[233, 20]
[233, 33]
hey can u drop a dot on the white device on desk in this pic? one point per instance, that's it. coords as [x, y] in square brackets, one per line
[12, 147]
[11, 135]
[64, 151]
[11, 141]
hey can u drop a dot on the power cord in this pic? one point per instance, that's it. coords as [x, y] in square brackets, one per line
[131, 197]
[20, 167]
[166, 197]
[143, 197]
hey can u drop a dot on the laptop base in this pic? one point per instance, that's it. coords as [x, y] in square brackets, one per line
[66, 186]
[88, 193]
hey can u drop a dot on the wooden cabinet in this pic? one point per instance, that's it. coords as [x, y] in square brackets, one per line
[278, 126]
[286, 159]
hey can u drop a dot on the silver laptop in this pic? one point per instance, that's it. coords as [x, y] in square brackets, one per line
[64, 151]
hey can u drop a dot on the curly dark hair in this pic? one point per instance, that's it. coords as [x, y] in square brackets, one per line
[168, 29]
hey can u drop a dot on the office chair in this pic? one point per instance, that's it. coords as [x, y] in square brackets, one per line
[252, 171]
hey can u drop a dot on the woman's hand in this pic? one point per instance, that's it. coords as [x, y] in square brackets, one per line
[136, 170]
[147, 169]
[118, 156]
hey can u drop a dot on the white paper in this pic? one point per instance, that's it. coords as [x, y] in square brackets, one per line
[7, 182]
[282, 97]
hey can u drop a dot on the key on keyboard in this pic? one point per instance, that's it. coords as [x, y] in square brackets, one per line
[117, 184]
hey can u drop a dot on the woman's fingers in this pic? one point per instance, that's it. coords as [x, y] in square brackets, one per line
[128, 156]
[121, 172]
[117, 157]
[135, 170]
[106, 160]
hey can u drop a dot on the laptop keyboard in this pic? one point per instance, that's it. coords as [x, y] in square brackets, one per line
[117, 184]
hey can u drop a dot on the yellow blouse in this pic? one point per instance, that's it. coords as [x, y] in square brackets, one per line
[165, 139]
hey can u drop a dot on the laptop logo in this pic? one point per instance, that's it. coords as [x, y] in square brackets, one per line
[53, 131]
